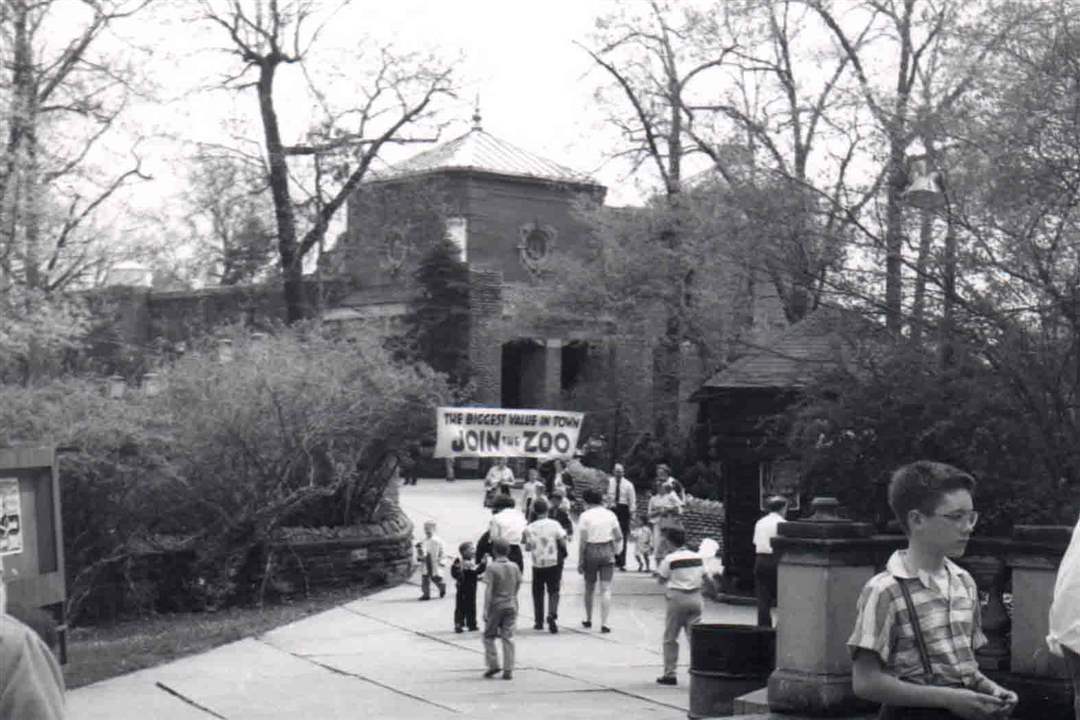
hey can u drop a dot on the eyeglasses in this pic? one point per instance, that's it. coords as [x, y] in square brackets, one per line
[965, 517]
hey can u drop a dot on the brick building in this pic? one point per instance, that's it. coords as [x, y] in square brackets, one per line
[507, 209]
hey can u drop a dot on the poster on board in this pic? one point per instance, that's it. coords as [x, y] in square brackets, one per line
[494, 432]
[11, 525]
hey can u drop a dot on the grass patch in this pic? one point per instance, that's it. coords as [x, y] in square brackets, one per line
[105, 651]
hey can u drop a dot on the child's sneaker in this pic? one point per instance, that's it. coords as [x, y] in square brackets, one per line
[508, 675]
[491, 672]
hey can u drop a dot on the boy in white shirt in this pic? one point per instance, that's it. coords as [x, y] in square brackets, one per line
[682, 572]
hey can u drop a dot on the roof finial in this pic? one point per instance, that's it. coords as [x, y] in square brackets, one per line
[476, 115]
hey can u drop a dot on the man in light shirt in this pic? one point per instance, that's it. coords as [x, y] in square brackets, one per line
[765, 530]
[598, 536]
[498, 476]
[1064, 637]
[508, 524]
[622, 499]
[682, 572]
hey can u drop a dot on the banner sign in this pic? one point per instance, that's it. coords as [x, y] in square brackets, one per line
[493, 432]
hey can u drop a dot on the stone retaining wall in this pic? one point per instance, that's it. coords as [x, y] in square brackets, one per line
[376, 553]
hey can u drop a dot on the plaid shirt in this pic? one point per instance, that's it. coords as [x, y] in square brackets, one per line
[951, 625]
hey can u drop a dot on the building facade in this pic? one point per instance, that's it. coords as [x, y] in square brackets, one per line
[507, 210]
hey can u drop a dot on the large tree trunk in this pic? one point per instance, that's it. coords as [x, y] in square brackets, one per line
[292, 269]
[894, 238]
[922, 261]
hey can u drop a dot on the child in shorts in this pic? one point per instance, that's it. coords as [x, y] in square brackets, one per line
[503, 580]
[431, 552]
[643, 545]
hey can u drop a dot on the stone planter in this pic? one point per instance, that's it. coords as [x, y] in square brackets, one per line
[376, 553]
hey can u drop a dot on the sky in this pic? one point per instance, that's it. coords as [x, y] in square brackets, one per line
[535, 87]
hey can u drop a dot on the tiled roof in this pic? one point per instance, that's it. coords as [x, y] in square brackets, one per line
[482, 152]
[795, 354]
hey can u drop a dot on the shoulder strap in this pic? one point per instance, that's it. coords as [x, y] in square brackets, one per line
[917, 627]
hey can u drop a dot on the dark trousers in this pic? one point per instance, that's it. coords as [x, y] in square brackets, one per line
[765, 587]
[515, 555]
[546, 581]
[465, 606]
[622, 512]
[1072, 664]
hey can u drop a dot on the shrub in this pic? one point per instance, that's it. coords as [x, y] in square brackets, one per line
[852, 429]
[300, 427]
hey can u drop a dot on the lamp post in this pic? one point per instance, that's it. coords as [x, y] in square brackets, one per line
[928, 191]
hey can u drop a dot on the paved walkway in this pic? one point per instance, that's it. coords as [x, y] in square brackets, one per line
[390, 656]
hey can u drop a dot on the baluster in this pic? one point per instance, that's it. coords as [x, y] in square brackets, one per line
[991, 575]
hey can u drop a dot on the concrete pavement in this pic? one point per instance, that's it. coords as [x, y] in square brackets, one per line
[390, 656]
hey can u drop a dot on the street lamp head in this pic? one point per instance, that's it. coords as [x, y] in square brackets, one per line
[927, 188]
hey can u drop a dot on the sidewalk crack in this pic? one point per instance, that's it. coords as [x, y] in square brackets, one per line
[362, 678]
[189, 701]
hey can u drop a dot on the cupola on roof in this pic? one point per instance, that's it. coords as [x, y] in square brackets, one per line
[479, 151]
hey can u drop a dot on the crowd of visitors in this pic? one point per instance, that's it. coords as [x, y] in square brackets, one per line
[918, 622]
[542, 518]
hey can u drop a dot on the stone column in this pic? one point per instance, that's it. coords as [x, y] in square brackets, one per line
[824, 561]
[1036, 674]
[552, 382]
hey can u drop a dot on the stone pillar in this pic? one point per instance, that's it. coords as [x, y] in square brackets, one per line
[552, 383]
[1036, 674]
[824, 561]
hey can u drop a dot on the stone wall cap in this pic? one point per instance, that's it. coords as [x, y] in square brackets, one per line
[1049, 534]
[834, 530]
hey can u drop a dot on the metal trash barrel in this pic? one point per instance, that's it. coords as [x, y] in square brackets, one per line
[727, 661]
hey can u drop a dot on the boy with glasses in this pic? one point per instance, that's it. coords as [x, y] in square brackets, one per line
[918, 623]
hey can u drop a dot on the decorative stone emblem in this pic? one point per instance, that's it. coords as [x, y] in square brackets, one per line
[535, 243]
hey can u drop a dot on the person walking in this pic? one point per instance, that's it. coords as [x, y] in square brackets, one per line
[765, 529]
[529, 490]
[503, 580]
[598, 537]
[623, 502]
[682, 573]
[431, 553]
[545, 539]
[508, 524]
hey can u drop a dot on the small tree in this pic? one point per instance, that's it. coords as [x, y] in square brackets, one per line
[438, 326]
